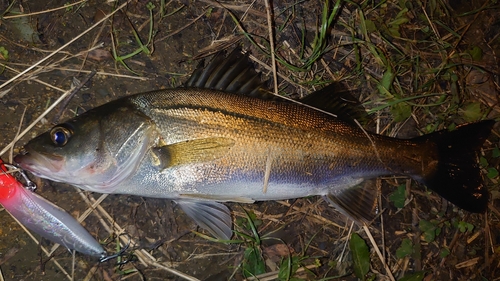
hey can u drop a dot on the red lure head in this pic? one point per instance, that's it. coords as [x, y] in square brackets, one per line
[8, 183]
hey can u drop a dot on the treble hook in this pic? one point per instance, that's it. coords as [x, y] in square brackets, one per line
[29, 185]
[120, 253]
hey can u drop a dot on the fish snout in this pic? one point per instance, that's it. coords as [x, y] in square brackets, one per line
[24, 162]
[38, 163]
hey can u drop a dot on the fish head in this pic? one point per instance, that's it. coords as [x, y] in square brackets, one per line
[94, 151]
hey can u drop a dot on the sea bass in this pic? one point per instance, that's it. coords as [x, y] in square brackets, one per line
[222, 138]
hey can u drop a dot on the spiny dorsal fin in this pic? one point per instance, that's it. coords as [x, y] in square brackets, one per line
[336, 100]
[233, 73]
[359, 203]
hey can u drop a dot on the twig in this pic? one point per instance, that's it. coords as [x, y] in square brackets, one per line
[176, 272]
[110, 229]
[90, 275]
[182, 28]
[11, 154]
[73, 262]
[240, 7]
[84, 215]
[378, 184]
[374, 145]
[44, 250]
[346, 242]
[18, 137]
[451, 246]
[271, 42]
[377, 250]
[267, 67]
[99, 46]
[63, 46]
[44, 262]
[64, 104]
[34, 79]
[45, 11]
[106, 74]
[320, 218]
[288, 80]
[274, 275]
[143, 256]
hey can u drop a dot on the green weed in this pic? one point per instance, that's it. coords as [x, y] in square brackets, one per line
[406, 249]
[492, 170]
[398, 197]
[430, 229]
[416, 276]
[143, 48]
[360, 256]
[4, 54]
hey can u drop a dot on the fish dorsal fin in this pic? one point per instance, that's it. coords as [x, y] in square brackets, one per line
[236, 74]
[359, 203]
[338, 101]
[233, 73]
[212, 216]
[191, 151]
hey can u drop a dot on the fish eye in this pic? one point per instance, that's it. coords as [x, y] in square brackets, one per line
[60, 135]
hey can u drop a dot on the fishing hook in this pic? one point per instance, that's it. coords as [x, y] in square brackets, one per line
[29, 185]
[119, 254]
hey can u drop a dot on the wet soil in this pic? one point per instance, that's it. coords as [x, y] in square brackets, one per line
[305, 228]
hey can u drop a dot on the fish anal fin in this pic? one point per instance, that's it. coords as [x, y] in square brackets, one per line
[212, 216]
[359, 203]
[192, 151]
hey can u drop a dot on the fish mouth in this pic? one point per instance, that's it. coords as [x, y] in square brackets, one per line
[42, 165]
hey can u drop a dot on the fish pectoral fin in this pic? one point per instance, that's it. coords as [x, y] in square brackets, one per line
[359, 203]
[192, 151]
[218, 198]
[212, 216]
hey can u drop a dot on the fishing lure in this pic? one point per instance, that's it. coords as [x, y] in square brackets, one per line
[42, 216]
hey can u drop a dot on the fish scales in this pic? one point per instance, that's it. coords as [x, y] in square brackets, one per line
[307, 147]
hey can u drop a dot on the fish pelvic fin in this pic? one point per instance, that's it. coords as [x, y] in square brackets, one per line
[212, 216]
[359, 203]
[457, 177]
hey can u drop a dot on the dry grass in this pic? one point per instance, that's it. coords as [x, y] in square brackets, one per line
[415, 70]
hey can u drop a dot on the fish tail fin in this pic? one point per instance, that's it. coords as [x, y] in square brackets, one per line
[457, 177]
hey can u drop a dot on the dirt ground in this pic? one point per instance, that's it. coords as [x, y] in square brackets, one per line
[417, 67]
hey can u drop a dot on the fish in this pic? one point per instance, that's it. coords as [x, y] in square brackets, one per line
[223, 137]
[44, 218]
